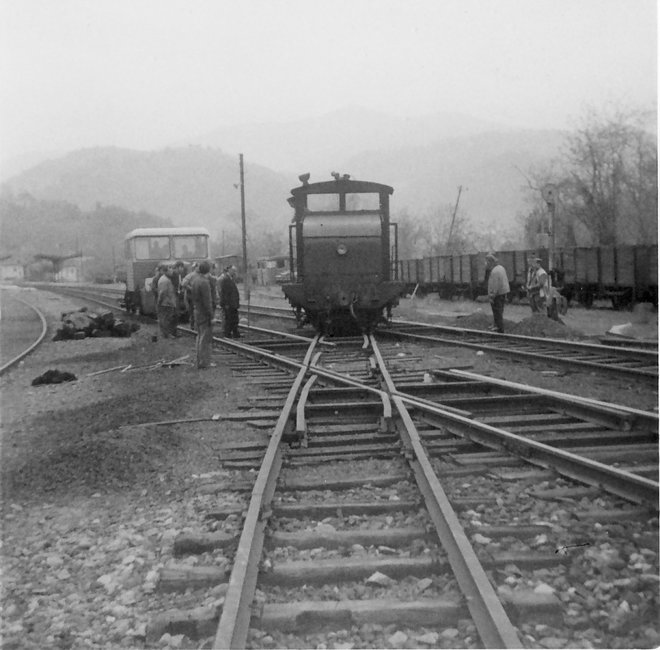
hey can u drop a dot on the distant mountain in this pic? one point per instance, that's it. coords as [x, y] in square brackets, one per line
[488, 166]
[30, 227]
[321, 144]
[424, 159]
[190, 186]
[15, 165]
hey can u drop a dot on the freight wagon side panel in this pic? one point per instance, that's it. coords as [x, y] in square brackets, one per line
[607, 266]
[445, 264]
[466, 273]
[646, 266]
[456, 270]
[426, 270]
[436, 273]
[653, 266]
[569, 266]
[520, 264]
[506, 259]
[625, 266]
[586, 266]
[477, 269]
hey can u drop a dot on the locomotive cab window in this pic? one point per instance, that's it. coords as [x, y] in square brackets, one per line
[362, 201]
[323, 202]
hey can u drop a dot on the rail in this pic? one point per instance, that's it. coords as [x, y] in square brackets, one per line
[44, 329]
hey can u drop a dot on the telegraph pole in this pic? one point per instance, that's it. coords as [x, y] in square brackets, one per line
[246, 279]
[453, 219]
[549, 193]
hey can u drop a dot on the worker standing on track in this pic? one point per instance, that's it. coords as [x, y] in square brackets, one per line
[200, 291]
[540, 286]
[230, 302]
[498, 288]
[177, 280]
[166, 304]
[532, 287]
[213, 279]
[187, 299]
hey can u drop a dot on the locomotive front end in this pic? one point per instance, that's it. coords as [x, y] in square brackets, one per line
[340, 249]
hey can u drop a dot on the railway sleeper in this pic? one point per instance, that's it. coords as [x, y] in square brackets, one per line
[344, 509]
[311, 616]
[350, 569]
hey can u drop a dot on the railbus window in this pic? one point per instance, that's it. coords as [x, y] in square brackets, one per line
[152, 248]
[187, 246]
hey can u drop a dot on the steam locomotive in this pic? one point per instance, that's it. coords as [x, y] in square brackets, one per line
[339, 246]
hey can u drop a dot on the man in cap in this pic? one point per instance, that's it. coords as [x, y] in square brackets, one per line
[498, 288]
[230, 302]
[540, 285]
[200, 292]
[531, 285]
[177, 280]
[187, 299]
[166, 303]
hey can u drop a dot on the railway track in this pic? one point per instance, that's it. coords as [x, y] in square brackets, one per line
[628, 358]
[615, 357]
[383, 493]
[24, 327]
[626, 361]
[362, 520]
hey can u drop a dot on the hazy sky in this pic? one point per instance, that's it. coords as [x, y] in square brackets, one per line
[144, 73]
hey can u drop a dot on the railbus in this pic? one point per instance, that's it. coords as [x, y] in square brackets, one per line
[146, 248]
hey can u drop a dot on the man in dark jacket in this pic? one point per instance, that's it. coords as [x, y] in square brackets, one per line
[200, 293]
[229, 302]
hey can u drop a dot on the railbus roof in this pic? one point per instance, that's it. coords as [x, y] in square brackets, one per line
[166, 232]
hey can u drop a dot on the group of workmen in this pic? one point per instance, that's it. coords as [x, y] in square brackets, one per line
[542, 296]
[195, 294]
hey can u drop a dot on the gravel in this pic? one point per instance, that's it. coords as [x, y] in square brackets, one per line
[93, 498]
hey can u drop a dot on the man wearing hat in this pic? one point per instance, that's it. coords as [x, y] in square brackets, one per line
[498, 287]
[230, 302]
[200, 291]
[166, 303]
[540, 286]
[187, 296]
[532, 289]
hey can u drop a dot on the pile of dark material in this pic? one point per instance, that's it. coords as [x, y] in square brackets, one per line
[539, 325]
[53, 377]
[82, 324]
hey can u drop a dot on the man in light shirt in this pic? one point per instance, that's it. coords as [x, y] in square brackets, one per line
[498, 288]
[166, 304]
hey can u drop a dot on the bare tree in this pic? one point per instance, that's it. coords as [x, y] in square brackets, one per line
[536, 223]
[611, 177]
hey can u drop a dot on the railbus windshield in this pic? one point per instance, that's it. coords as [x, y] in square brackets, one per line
[167, 244]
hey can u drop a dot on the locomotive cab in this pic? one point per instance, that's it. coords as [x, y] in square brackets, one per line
[340, 255]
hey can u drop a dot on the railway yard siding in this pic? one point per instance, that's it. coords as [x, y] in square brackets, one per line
[93, 501]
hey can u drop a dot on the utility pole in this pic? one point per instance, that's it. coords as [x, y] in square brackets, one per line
[453, 219]
[246, 279]
[549, 193]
